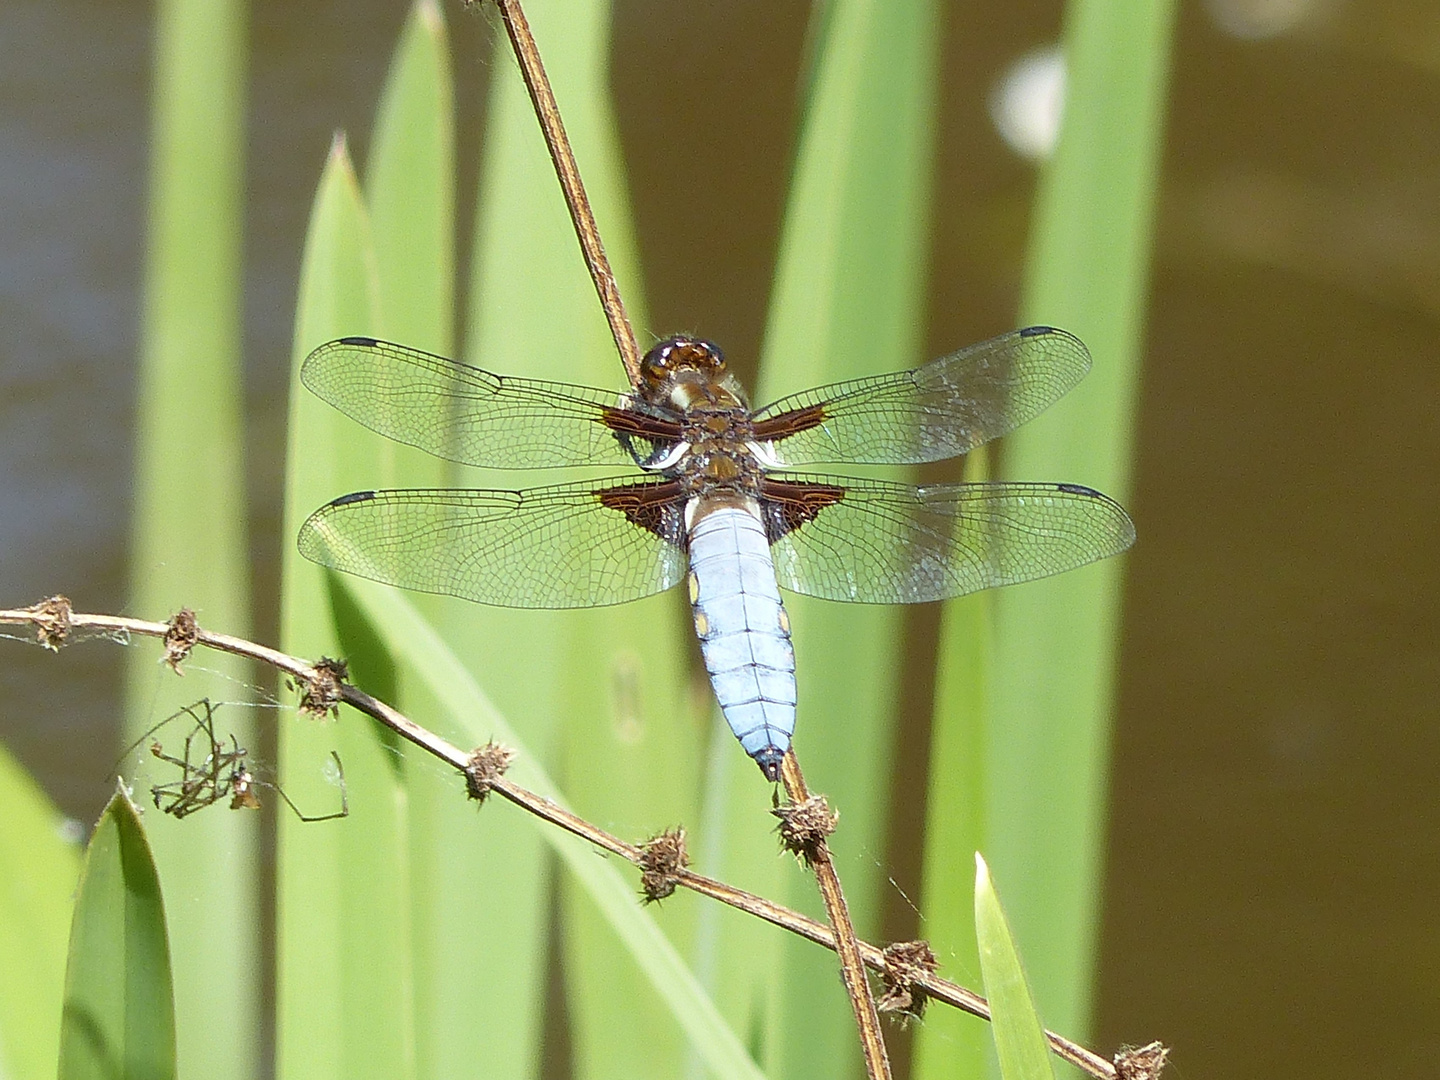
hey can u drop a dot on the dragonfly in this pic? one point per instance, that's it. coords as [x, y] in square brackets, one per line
[717, 502]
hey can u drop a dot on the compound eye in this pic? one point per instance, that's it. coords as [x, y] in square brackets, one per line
[707, 357]
[656, 365]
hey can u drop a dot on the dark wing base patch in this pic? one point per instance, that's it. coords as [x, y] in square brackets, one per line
[788, 506]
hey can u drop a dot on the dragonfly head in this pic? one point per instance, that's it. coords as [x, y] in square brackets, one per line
[682, 370]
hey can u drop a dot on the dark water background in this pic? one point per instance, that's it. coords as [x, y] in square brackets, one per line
[1274, 861]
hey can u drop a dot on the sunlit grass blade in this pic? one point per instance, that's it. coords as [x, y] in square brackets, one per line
[190, 547]
[417, 645]
[343, 937]
[951, 1045]
[1056, 640]
[849, 300]
[410, 190]
[516, 323]
[740, 960]
[38, 870]
[1019, 1036]
[629, 747]
[119, 1014]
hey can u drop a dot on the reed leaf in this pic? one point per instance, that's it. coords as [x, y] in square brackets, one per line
[527, 297]
[415, 643]
[848, 300]
[410, 192]
[1056, 640]
[343, 909]
[628, 749]
[952, 1044]
[189, 546]
[1024, 677]
[1020, 1041]
[119, 1014]
[38, 871]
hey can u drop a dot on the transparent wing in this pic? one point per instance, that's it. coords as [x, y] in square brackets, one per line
[945, 408]
[875, 542]
[571, 545]
[463, 414]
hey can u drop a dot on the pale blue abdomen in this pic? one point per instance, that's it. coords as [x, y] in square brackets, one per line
[744, 631]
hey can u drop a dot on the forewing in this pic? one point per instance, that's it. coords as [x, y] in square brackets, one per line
[464, 414]
[571, 545]
[948, 407]
[875, 542]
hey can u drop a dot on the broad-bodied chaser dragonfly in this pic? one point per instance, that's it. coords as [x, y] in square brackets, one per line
[716, 495]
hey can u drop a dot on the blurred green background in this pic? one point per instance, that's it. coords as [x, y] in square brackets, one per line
[1273, 806]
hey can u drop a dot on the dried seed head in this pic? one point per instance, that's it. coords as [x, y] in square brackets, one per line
[1141, 1062]
[487, 764]
[321, 694]
[661, 857]
[52, 622]
[804, 827]
[180, 637]
[906, 963]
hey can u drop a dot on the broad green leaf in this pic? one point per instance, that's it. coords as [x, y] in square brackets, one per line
[190, 547]
[38, 871]
[848, 300]
[525, 279]
[735, 841]
[415, 643]
[629, 746]
[119, 1013]
[410, 190]
[1055, 640]
[343, 936]
[953, 1044]
[1019, 1036]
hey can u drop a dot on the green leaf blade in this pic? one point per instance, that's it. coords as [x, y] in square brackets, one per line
[38, 871]
[951, 1045]
[119, 1015]
[1019, 1036]
[344, 932]
[190, 546]
[416, 643]
[528, 311]
[848, 300]
[1056, 641]
[410, 189]
[629, 744]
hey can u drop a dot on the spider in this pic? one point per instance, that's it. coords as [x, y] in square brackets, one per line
[220, 773]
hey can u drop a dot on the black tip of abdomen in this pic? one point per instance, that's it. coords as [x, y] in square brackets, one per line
[769, 761]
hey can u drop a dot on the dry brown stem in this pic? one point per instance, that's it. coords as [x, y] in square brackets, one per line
[804, 829]
[558, 143]
[483, 770]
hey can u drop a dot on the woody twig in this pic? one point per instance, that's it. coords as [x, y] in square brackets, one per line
[322, 687]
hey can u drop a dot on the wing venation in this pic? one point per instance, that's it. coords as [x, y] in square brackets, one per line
[566, 546]
[464, 414]
[884, 543]
[948, 407]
